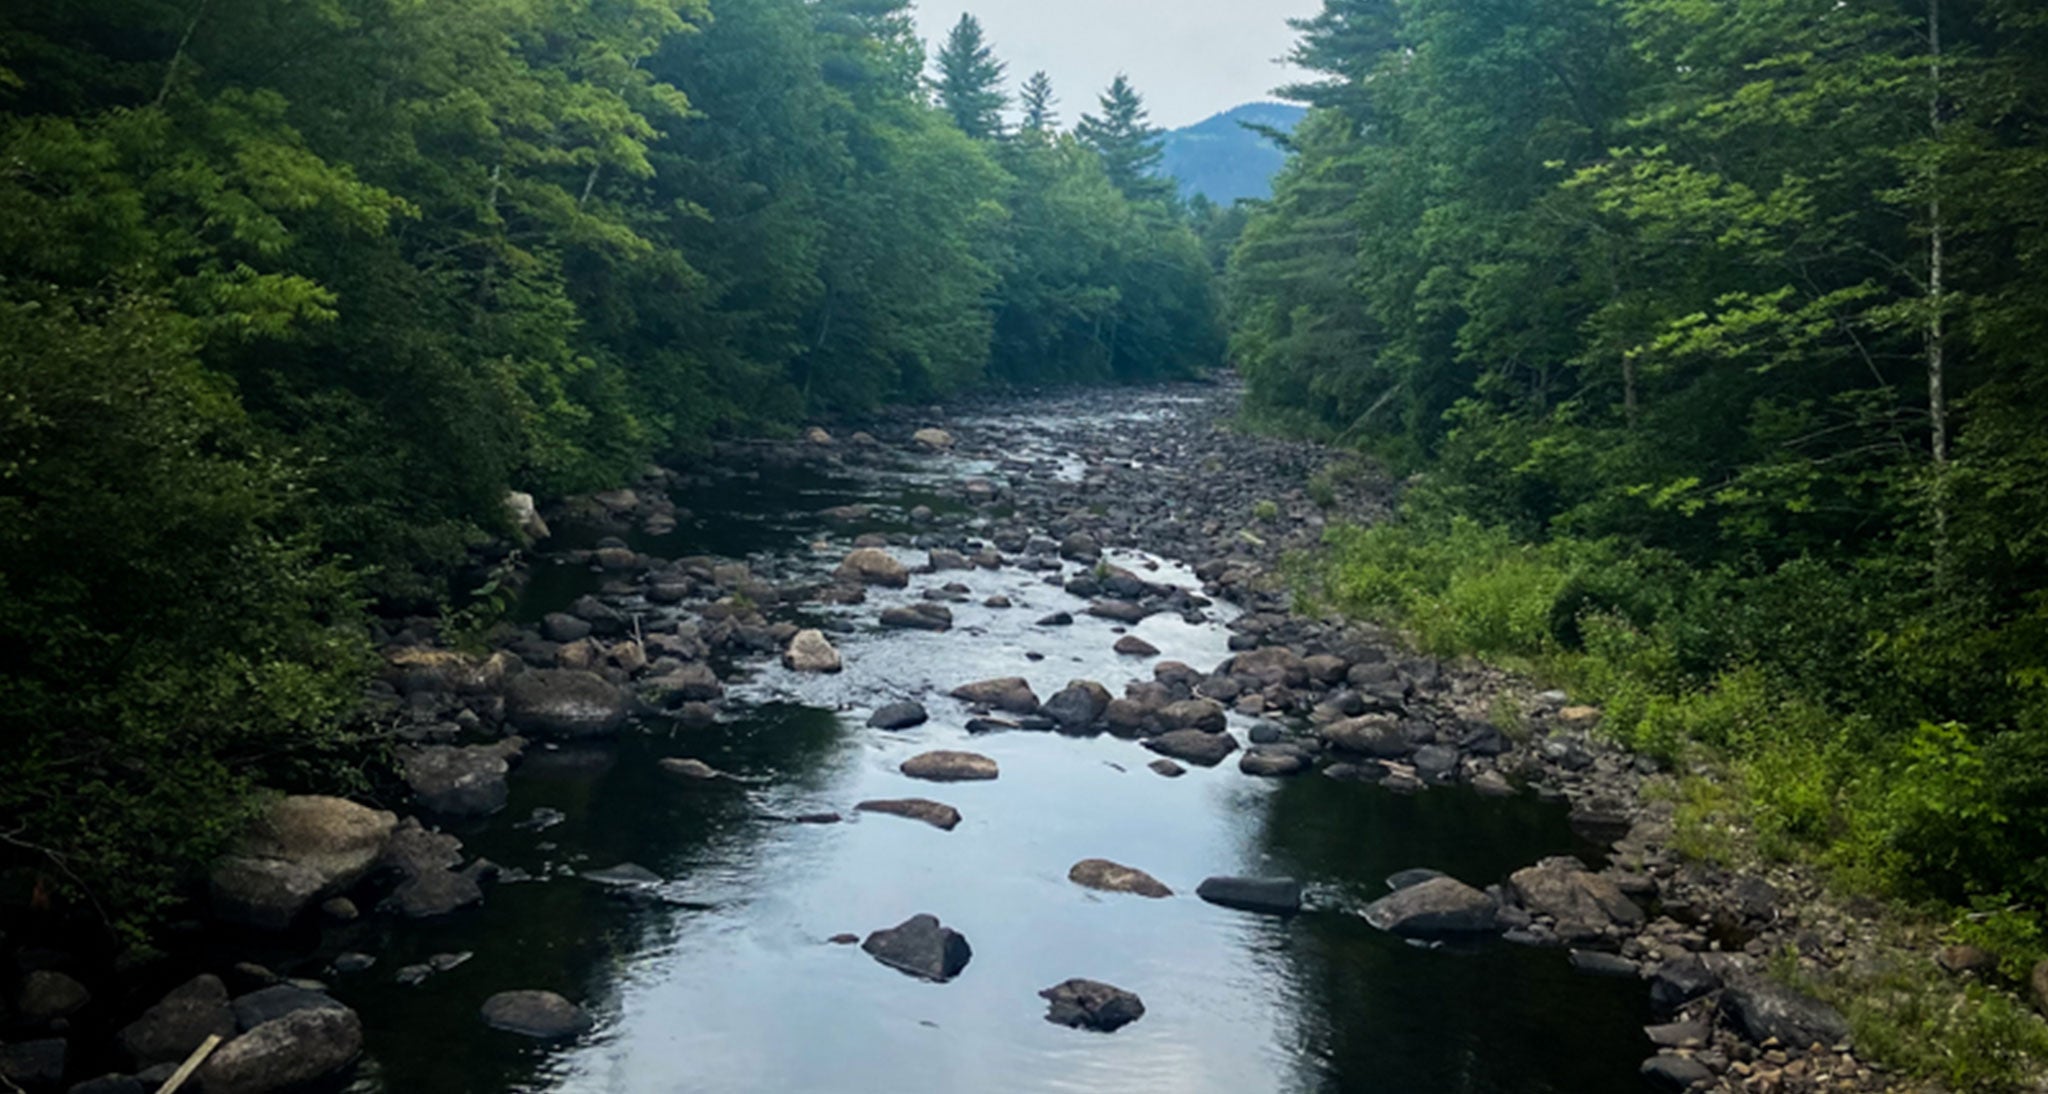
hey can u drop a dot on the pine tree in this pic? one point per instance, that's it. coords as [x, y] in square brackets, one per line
[969, 81]
[1129, 146]
[1038, 102]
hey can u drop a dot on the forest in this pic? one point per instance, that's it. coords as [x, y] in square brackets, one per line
[293, 294]
[1713, 334]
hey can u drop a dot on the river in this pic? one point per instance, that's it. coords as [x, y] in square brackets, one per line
[721, 979]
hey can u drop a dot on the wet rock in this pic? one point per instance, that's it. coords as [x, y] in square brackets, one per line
[1678, 1034]
[919, 617]
[809, 651]
[564, 703]
[1376, 735]
[1583, 903]
[921, 946]
[1598, 963]
[1203, 715]
[45, 995]
[177, 1024]
[939, 558]
[1113, 877]
[1122, 611]
[1269, 666]
[1080, 547]
[1274, 760]
[1437, 906]
[873, 566]
[1270, 895]
[438, 893]
[1009, 693]
[901, 715]
[1091, 1004]
[947, 765]
[34, 1064]
[563, 627]
[285, 1052]
[305, 848]
[1435, 763]
[844, 514]
[276, 1001]
[686, 769]
[541, 1015]
[937, 814]
[1402, 879]
[682, 685]
[1131, 645]
[625, 875]
[1057, 619]
[1670, 1071]
[1493, 784]
[1194, 746]
[352, 962]
[1166, 767]
[1077, 706]
[460, 781]
[1601, 826]
[1266, 733]
[936, 440]
[1763, 1010]
[111, 1084]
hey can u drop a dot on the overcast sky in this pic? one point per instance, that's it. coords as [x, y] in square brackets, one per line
[1189, 58]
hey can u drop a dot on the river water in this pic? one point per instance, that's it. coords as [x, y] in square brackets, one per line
[722, 979]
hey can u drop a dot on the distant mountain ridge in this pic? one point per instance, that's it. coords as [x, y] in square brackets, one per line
[1222, 160]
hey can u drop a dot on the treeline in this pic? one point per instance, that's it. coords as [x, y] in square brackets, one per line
[292, 294]
[1718, 328]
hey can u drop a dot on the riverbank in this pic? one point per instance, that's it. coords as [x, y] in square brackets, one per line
[666, 673]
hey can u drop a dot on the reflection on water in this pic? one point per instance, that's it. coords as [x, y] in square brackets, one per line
[723, 980]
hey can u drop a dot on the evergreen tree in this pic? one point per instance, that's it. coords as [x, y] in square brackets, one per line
[1037, 99]
[1130, 147]
[970, 81]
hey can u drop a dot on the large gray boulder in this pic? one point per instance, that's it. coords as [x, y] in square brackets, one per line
[1077, 706]
[276, 1001]
[564, 703]
[921, 946]
[1438, 906]
[900, 715]
[1091, 1004]
[460, 781]
[1763, 1010]
[303, 849]
[1583, 904]
[293, 1050]
[178, 1023]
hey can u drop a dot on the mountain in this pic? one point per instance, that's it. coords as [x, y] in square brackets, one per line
[1223, 160]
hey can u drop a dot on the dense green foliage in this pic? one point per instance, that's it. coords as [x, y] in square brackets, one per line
[1716, 329]
[292, 294]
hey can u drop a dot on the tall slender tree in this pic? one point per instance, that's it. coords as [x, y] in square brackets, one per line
[970, 81]
[1037, 99]
[1127, 142]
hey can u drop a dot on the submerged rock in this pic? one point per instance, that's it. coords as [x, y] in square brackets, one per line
[919, 617]
[1091, 1004]
[1114, 877]
[936, 814]
[542, 1015]
[947, 765]
[921, 946]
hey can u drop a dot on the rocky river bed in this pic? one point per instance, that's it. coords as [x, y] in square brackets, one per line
[978, 750]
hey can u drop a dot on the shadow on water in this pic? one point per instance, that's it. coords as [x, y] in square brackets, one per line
[1375, 1013]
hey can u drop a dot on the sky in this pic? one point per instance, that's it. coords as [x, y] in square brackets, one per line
[1188, 58]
